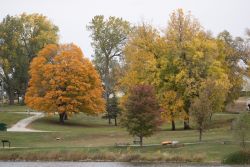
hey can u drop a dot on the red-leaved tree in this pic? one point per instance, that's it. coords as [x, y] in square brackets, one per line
[141, 116]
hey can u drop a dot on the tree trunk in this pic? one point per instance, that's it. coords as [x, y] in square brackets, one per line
[186, 124]
[62, 117]
[173, 125]
[186, 119]
[115, 122]
[141, 140]
[200, 136]
[24, 91]
[65, 116]
[23, 98]
[9, 87]
[109, 118]
[11, 97]
[106, 84]
[210, 116]
[18, 101]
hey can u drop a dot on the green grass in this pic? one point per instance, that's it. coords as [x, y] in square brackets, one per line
[13, 108]
[9, 115]
[91, 137]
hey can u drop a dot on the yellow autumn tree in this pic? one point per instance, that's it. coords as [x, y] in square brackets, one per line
[143, 49]
[177, 64]
[140, 58]
[64, 82]
[172, 106]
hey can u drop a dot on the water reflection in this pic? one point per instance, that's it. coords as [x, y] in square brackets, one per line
[99, 164]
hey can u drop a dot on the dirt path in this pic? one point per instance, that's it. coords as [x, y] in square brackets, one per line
[21, 125]
[239, 105]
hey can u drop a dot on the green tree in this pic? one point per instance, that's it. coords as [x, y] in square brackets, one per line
[108, 39]
[233, 51]
[242, 129]
[22, 37]
[141, 116]
[10, 47]
[114, 109]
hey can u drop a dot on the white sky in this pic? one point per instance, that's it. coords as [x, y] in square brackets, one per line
[72, 16]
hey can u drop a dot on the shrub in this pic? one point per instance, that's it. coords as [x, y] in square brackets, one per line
[3, 127]
[239, 157]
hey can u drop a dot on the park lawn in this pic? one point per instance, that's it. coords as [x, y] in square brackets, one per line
[9, 116]
[13, 108]
[84, 135]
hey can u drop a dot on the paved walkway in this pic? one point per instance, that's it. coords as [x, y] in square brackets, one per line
[21, 125]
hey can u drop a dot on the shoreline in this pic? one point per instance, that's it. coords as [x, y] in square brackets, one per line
[132, 157]
[137, 162]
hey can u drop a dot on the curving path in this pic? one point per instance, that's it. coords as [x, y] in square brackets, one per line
[21, 125]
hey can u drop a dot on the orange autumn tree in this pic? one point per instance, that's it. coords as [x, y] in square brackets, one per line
[63, 81]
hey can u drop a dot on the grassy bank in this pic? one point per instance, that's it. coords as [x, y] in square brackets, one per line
[189, 153]
[85, 131]
[91, 138]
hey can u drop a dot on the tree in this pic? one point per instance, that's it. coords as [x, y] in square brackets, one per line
[114, 108]
[109, 37]
[10, 49]
[211, 98]
[141, 52]
[64, 82]
[142, 114]
[193, 58]
[172, 106]
[218, 89]
[182, 30]
[175, 64]
[233, 51]
[22, 37]
[242, 128]
[200, 110]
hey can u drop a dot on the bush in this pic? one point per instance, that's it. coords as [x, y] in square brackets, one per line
[240, 157]
[3, 127]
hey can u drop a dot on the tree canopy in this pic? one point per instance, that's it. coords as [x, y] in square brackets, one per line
[177, 63]
[108, 40]
[21, 38]
[64, 82]
[141, 116]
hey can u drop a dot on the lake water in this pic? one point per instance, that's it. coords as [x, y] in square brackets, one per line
[98, 164]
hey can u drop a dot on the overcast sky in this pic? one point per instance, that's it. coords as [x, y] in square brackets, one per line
[72, 16]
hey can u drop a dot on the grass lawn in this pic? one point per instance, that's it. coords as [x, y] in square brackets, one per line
[12, 108]
[8, 116]
[83, 136]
